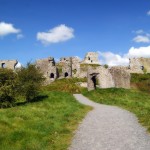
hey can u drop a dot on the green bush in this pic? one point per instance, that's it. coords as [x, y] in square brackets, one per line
[30, 80]
[141, 82]
[8, 88]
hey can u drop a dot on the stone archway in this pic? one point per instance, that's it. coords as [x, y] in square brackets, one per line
[92, 81]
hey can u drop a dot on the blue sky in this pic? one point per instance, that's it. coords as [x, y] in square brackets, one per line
[33, 29]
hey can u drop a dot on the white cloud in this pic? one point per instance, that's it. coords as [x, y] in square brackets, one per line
[20, 36]
[139, 52]
[115, 59]
[57, 34]
[148, 13]
[7, 28]
[141, 39]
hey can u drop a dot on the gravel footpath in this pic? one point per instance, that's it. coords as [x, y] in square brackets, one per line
[109, 128]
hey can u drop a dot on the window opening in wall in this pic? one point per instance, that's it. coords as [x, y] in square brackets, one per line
[52, 75]
[91, 61]
[66, 74]
[3, 65]
[88, 58]
[142, 67]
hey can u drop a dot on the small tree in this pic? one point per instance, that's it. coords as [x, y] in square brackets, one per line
[106, 66]
[30, 80]
[8, 89]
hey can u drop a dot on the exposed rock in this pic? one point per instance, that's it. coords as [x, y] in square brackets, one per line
[82, 84]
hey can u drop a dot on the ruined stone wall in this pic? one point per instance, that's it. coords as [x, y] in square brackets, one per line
[139, 65]
[48, 68]
[118, 77]
[66, 63]
[135, 65]
[10, 64]
[105, 78]
[121, 77]
[75, 66]
[91, 58]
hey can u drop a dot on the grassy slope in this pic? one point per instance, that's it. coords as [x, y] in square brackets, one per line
[66, 85]
[141, 82]
[42, 125]
[132, 100]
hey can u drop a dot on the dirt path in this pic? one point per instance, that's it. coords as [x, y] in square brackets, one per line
[109, 128]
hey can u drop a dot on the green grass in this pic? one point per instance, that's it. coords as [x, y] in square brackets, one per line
[84, 67]
[132, 100]
[66, 85]
[47, 124]
[141, 82]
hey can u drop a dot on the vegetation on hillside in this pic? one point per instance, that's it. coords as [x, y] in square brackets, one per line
[48, 123]
[23, 84]
[84, 67]
[141, 82]
[66, 85]
[8, 88]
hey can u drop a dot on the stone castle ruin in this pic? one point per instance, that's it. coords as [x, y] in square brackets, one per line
[48, 68]
[118, 77]
[91, 58]
[139, 65]
[96, 74]
[10, 64]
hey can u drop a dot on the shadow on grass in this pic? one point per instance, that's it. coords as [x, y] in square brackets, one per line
[36, 99]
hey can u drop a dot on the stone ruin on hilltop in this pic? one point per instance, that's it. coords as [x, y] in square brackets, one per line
[89, 68]
[10, 64]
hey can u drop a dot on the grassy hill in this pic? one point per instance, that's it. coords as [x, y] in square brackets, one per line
[48, 123]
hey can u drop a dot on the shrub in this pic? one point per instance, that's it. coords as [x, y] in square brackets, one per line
[8, 89]
[30, 80]
[106, 66]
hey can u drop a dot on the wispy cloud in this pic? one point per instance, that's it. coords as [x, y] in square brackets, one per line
[141, 39]
[141, 36]
[139, 31]
[8, 28]
[57, 34]
[148, 13]
[20, 36]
